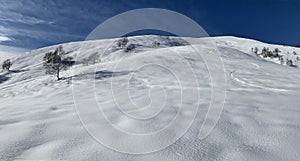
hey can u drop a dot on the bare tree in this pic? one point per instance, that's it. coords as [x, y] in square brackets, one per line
[54, 62]
[6, 65]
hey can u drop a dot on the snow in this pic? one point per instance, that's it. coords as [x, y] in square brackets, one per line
[260, 119]
[7, 52]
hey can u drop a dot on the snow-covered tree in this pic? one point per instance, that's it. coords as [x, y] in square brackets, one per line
[6, 65]
[54, 62]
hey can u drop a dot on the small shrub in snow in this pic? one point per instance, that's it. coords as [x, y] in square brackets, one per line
[122, 42]
[6, 65]
[156, 44]
[255, 50]
[54, 62]
[264, 52]
[276, 52]
[281, 60]
[130, 47]
[92, 59]
[289, 62]
[270, 54]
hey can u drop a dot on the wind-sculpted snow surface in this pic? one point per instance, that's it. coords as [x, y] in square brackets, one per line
[260, 119]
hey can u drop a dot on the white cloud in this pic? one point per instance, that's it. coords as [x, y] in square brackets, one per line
[4, 38]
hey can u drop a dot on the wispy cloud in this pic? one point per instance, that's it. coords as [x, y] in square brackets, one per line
[20, 12]
[20, 18]
[37, 23]
[33, 23]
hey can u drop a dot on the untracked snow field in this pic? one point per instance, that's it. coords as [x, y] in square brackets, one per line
[260, 119]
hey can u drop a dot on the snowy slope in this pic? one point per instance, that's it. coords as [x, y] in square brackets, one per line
[260, 120]
[7, 52]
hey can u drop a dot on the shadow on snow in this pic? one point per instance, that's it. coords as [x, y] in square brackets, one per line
[99, 75]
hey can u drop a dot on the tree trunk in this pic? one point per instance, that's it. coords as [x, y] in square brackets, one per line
[57, 74]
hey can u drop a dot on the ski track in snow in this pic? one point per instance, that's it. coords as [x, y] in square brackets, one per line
[244, 82]
[260, 120]
[257, 86]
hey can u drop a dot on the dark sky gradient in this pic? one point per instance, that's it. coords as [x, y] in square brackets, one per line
[37, 23]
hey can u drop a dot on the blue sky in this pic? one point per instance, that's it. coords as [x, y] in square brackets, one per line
[36, 23]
